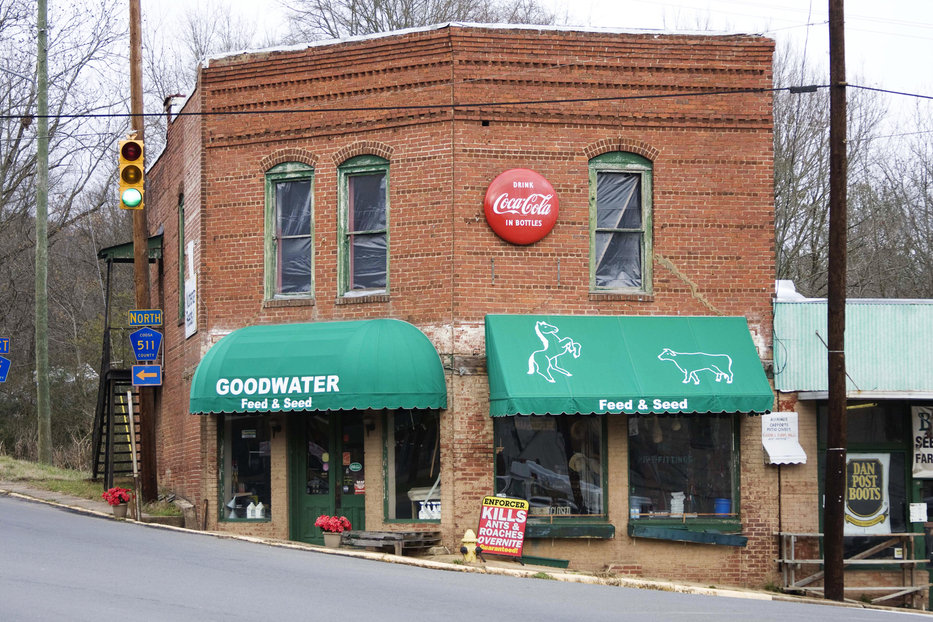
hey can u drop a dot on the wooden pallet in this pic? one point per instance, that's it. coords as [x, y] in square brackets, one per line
[400, 541]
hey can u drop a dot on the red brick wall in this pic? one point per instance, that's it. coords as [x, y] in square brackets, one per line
[712, 221]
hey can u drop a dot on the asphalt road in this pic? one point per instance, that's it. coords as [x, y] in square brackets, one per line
[61, 565]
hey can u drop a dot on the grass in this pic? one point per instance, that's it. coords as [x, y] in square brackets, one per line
[69, 482]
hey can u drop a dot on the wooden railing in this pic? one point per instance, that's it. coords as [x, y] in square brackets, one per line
[800, 573]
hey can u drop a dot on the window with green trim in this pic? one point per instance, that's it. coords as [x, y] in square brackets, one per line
[555, 462]
[683, 468]
[620, 223]
[181, 258]
[364, 226]
[289, 229]
[413, 465]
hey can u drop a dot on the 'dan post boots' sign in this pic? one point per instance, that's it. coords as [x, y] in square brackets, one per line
[867, 505]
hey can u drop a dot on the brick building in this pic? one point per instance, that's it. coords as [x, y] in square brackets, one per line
[366, 334]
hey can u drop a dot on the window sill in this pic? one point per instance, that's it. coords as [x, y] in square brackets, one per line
[287, 302]
[621, 296]
[570, 529]
[354, 300]
[662, 531]
[232, 521]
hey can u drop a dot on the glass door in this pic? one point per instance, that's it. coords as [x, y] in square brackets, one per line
[326, 471]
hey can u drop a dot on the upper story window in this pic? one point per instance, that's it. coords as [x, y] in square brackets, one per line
[181, 258]
[620, 223]
[289, 229]
[364, 226]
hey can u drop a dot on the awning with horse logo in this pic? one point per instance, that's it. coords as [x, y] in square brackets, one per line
[557, 364]
[364, 364]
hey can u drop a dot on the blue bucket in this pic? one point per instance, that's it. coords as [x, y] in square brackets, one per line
[722, 506]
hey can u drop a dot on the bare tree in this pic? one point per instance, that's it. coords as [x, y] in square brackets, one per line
[801, 170]
[84, 46]
[334, 19]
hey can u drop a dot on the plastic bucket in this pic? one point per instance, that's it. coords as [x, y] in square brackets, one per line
[722, 506]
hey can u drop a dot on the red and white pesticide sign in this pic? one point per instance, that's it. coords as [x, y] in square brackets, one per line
[502, 526]
[521, 206]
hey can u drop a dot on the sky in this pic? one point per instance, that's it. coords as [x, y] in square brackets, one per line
[889, 44]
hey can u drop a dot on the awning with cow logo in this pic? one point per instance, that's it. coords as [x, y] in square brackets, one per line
[559, 364]
[364, 364]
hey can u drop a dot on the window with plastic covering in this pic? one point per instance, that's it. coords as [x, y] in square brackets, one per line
[364, 196]
[620, 223]
[289, 229]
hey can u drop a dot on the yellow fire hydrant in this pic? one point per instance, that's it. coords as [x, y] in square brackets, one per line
[468, 546]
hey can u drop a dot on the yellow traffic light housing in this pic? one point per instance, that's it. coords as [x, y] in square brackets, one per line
[131, 174]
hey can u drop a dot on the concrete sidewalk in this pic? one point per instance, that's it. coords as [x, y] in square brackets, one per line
[439, 562]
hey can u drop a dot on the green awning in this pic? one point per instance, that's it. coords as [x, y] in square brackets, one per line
[362, 364]
[604, 364]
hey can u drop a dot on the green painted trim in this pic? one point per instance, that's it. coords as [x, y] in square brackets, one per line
[686, 535]
[181, 258]
[625, 162]
[285, 172]
[570, 529]
[359, 165]
[545, 561]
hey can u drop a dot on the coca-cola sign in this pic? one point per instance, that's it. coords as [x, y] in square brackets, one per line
[521, 206]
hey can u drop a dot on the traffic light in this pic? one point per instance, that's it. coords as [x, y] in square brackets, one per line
[131, 174]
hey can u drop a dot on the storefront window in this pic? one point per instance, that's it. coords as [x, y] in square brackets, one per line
[413, 463]
[682, 466]
[555, 462]
[246, 469]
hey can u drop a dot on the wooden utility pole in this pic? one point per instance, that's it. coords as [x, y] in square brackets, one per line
[43, 401]
[141, 260]
[834, 510]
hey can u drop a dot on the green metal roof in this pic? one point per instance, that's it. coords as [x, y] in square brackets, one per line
[366, 364]
[888, 346]
[607, 364]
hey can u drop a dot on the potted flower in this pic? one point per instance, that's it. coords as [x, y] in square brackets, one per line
[117, 498]
[332, 526]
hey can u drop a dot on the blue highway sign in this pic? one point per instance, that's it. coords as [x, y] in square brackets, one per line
[146, 343]
[4, 368]
[147, 375]
[4, 345]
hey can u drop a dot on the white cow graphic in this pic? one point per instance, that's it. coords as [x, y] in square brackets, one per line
[544, 361]
[692, 362]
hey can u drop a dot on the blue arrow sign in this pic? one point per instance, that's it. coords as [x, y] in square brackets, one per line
[146, 343]
[147, 375]
[4, 368]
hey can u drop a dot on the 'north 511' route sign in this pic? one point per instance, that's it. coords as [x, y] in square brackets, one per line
[146, 343]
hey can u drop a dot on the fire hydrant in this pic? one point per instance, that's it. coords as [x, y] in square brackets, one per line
[468, 546]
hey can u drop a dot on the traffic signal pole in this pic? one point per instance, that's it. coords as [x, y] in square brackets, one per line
[141, 261]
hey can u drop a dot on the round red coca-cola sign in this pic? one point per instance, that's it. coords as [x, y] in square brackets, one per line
[521, 206]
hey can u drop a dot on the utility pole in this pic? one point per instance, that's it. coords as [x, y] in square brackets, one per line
[43, 406]
[834, 509]
[141, 259]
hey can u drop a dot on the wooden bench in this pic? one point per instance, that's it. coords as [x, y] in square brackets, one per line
[400, 541]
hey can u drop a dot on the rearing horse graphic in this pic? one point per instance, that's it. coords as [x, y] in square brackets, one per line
[544, 361]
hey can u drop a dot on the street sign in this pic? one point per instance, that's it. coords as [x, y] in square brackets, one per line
[4, 368]
[145, 317]
[4, 345]
[146, 343]
[147, 375]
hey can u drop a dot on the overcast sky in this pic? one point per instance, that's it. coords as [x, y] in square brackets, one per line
[889, 44]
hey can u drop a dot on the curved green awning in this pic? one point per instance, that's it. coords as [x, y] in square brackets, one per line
[366, 364]
[606, 364]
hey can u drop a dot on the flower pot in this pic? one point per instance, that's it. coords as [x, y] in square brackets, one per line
[119, 510]
[332, 540]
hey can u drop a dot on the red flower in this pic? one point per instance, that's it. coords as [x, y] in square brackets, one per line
[116, 496]
[333, 524]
